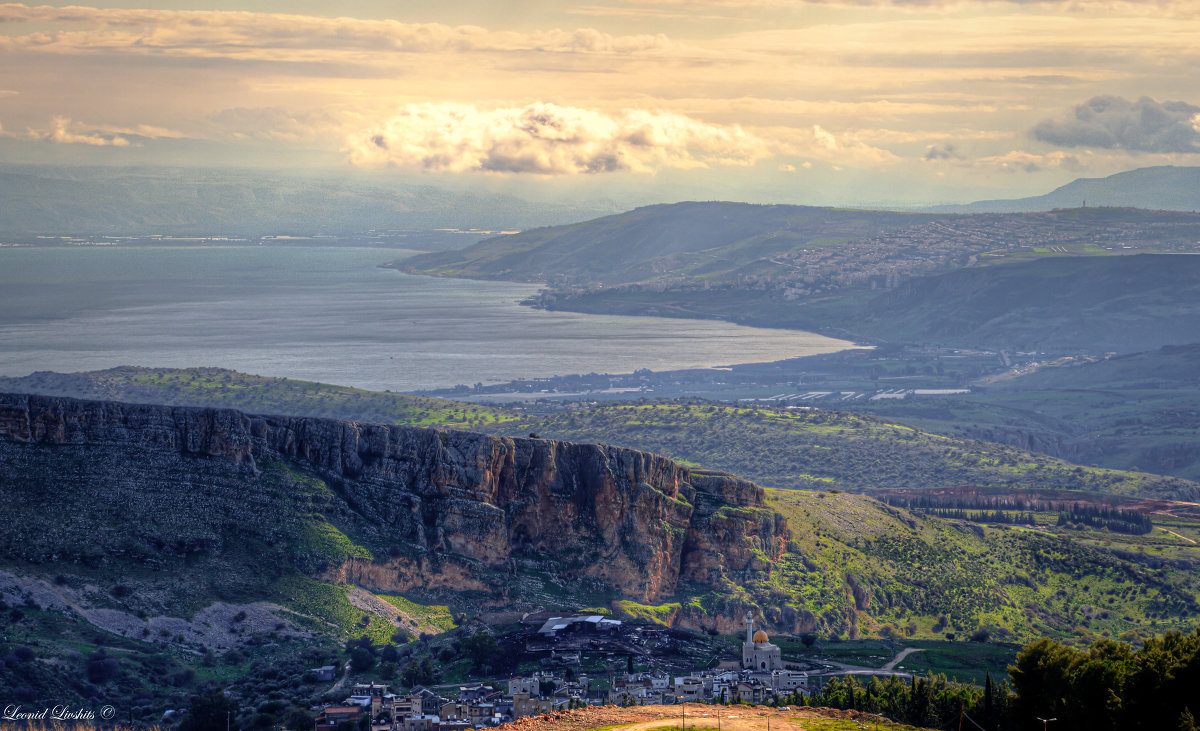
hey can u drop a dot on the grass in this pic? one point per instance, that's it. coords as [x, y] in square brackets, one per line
[322, 538]
[921, 579]
[435, 618]
[967, 662]
[221, 388]
[658, 614]
[796, 448]
[326, 608]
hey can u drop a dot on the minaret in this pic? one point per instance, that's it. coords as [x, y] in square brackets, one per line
[749, 627]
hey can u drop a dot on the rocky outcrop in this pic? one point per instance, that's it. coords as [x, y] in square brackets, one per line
[635, 521]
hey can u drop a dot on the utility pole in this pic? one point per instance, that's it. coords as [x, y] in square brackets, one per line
[1046, 721]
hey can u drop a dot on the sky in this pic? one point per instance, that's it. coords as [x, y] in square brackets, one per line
[853, 102]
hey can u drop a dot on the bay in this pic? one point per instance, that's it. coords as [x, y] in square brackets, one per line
[329, 314]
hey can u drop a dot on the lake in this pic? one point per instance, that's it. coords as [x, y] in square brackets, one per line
[329, 314]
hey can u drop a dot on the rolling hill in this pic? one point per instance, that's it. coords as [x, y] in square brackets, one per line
[1132, 411]
[1059, 304]
[690, 240]
[1165, 187]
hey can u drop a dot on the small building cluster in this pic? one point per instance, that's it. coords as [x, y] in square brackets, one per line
[760, 678]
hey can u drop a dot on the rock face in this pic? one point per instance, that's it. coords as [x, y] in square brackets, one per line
[634, 521]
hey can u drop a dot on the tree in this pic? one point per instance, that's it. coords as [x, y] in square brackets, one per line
[987, 694]
[1041, 679]
[1187, 722]
[298, 719]
[210, 712]
[482, 648]
[361, 659]
[101, 668]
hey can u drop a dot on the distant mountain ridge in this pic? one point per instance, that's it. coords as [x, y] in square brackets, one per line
[183, 201]
[1166, 188]
[691, 239]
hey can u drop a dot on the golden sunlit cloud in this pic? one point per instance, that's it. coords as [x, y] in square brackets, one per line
[546, 139]
[275, 36]
[60, 131]
[1021, 161]
[956, 88]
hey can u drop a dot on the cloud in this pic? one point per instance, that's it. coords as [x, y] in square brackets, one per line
[1115, 123]
[915, 4]
[946, 151]
[818, 142]
[284, 37]
[274, 123]
[547, 139]
[1028, 162]
[60, 132]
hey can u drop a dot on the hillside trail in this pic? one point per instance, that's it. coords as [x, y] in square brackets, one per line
[1189, 540]
[887, 667]
[342, 680]
[891, 664]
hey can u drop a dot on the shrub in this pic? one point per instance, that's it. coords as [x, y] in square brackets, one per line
[361, 659]
[101, 668]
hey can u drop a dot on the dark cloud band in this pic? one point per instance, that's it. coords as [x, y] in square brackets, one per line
[1115, 123]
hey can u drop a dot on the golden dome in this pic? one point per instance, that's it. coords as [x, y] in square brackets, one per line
[760, 636]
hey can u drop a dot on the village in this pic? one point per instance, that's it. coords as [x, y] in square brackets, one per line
[759, 676]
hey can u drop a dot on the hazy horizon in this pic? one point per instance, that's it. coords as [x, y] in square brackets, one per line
[844, 102]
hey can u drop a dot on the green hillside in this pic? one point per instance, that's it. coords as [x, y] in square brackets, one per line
[927, 577]
[1134, 411]
[188, 569]
[1092, 304]
[1062, 304]
[775, 447]
[142, 535]
[222, 388]
[824, 449]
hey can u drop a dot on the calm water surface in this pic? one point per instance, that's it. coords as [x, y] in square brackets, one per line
[332, 315]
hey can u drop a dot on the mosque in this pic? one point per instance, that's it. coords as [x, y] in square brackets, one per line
[758, 653]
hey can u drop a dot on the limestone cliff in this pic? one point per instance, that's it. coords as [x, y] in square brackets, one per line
[452, 503]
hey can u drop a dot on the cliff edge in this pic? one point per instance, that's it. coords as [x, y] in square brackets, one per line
[442, 509]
